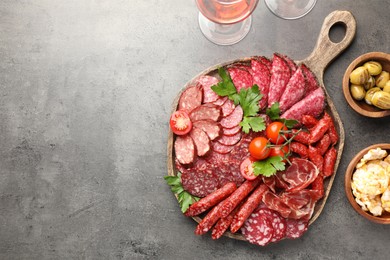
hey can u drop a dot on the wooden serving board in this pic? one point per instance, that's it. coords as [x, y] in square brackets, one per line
[323, 54]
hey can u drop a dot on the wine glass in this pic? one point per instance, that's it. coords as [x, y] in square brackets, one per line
[290, 9]
[225, 22]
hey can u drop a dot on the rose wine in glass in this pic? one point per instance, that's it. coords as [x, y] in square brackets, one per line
[290, 9]
[225, 22]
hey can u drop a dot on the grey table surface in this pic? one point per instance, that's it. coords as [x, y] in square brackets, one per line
[86, 89]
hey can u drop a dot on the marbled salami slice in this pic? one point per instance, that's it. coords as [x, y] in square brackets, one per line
[312, 104]
[201, 141]
[206, 112]
[312, 83]
[241, 78]
[208, 94]
[231, 131]
[280, 75]
[230, 140]
[261, 77]
[228, 108]
[211, 128]
[198, 182]
[190, 98]
[184, 149]
[258, 229]
[220, 101]
[278, 223]
[266, 61]
[233, 119]
[290, 63]
[296, 228]
[221, 148]
[294, 92]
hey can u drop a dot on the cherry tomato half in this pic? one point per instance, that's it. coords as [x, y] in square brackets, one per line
[281, 151]
[273, 132]
[246, 169]
[258, 148]
[180, 123]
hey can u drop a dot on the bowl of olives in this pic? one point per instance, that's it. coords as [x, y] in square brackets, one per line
[366, 84]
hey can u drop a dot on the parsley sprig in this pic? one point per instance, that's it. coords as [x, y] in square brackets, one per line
[184, 198]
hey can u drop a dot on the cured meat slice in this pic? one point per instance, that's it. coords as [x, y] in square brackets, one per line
[303, 213]
[270, 182]
[300, 174]
[296, 228]
[280, 183]
[200, 180]
[208, 94]
[241, 78]
[190, 98]
[220, 101]
[206, 112]
[233, 119]
[297, 199]
[312, 83]
[248, 207]
[222, 225]
[228, 107]
[243, 66]
[295, 91]
[201, 141]
[261, 77]
[210, 200]
[221, 148]
[312, 104]
[184, 149]
[266, 61]
[280, 75]
[230, 140]
[208, 221]
[211, 128]
[272, 201]
[258, 229]
[290, 63]
[231, 131]
[278, 223]
[237, 196]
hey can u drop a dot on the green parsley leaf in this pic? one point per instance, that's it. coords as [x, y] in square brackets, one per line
[226, 86]
[289, 123]
[274, 111]
[249, 100]
[255, 123]
[184, 198]
[269, 166]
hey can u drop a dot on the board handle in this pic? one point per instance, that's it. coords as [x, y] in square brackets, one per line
[325, 50]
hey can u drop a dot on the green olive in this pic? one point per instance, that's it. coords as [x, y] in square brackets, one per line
[359, 76]
[381, 100]
[370, 83]
[382, 78]
[373, 67]
[386, 88]
[357, 91]
[369, 94]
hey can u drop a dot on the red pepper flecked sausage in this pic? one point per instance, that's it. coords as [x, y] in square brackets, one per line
[318, 131]
[302, 136]
[223, 224]
[300, 149]
[317, 186]
[309, 121]
[248, 207]
[316, 158]
[209, 220]
[323, 144]
[237, 196]
[211, 200]
[334, 136]
[329, 161]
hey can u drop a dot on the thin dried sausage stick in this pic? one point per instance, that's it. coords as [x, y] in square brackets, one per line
[300, 149]
[223, 225]
[209, 220]
[329, 161]
[318, 131]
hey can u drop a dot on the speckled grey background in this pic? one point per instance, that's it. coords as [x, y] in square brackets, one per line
[85, 95]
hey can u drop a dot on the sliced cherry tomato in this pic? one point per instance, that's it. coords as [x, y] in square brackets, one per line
[180, 123]
[281, 151]
[258, 148]
[246, 169]
[273, 132]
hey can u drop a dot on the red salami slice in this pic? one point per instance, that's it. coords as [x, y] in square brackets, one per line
[206, 112]
[280, 75]
[184, 149]
[278, 223]
[208, 94]
[231, 131]
[220, 101]
[272, 201]
[243, 66]
[211, 128]
[227, 108]
[241, 78]
[261, 77]
[295, 228]
[233, 119]
[266, 61]
[312, 104]
[300, 174]
[312, 83]
[295, 91]
[201, 141]
[230, 140]
[290, 63]
[190, 98]
[199, 182]
[258, 229]
[221, 148]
